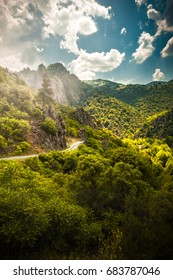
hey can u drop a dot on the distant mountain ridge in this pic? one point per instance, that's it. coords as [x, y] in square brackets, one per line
[155, 83]
[132, 94]
[125, 108]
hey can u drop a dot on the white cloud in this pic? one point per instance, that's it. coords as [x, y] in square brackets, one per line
[92, 8]
[158, 75]
[15, 13]
[162, 22]
[163, 27]
[88, 64]
[20, 29]
[72, 19]
[123, 31]
[83, 25]
[15, 62]
[140, 2]
[152, 13]
[24, 25]
[145, 48]
[39, 50]
[168, 50]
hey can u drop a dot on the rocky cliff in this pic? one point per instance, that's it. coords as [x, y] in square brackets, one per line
[67, 88]
[26, 124]
[84, 118]
[48, 141]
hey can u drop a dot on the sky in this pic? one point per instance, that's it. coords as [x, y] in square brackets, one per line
[126, 41]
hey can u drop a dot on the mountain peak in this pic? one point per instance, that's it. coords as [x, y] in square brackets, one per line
[41, 67]
[67, 88]
[56, 69]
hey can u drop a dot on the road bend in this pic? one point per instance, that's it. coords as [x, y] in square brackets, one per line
[71, 148]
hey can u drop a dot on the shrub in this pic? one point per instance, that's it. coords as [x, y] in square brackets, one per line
[23, 147]
[3, 143]
[49, 126]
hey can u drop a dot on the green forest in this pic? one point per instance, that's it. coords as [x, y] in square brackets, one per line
[111, 198]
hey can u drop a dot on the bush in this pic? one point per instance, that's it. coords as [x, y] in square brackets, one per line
[49, 126]
[3, 143]
[14, 129]
[23, 147]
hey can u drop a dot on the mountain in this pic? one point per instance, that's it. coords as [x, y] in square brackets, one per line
[135, 94]
[148, 99]
[67, 88]
[155, 83]
[120, 108]
[125, 108]
[27, 125]
[103, 85]
[126, 93]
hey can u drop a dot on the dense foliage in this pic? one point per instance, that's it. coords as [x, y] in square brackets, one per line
[121, 118]
[149, 98]
[158, 126]
[111, 199]
[125, 109]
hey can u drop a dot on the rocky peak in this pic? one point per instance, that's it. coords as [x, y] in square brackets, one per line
[41, 69]
[67, 88]
[56, 69]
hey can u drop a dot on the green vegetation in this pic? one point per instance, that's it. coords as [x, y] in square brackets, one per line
[49, 126]
[121, 118]
[46, 91]
[112, 198]
[107, 200]
[25, 118]
[125, 109]
[149, 99]
[158, 126]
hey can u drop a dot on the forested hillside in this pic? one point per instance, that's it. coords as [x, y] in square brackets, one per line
[111, 198]
[158, 126]
[121, 118]
[126, 108]
[155, 97]
[28, 119]
[31, 121]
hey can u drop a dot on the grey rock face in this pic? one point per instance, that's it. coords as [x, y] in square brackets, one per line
[67, 88]
[84, 118]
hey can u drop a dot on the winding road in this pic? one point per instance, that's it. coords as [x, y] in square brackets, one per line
[71, 148]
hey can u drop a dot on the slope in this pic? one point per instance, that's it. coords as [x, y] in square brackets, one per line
[25, 126]
[149, 99]
[121, 118]
[158, 126]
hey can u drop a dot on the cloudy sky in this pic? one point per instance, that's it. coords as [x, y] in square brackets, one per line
[128, 41]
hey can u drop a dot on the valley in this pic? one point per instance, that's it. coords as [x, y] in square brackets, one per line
[110, 194]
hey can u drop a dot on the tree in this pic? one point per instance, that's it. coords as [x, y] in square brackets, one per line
[46, 91]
